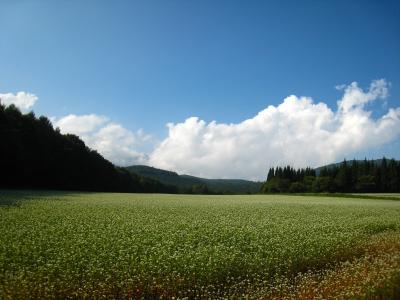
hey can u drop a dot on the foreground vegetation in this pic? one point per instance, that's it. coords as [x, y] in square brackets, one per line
[69, 245]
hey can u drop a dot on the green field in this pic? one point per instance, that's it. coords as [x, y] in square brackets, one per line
[98, 245]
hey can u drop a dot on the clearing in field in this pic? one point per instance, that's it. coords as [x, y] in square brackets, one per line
[97, 245]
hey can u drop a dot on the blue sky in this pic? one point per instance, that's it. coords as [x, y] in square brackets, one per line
[143, 64]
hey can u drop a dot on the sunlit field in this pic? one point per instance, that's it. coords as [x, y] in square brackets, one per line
[133, 246]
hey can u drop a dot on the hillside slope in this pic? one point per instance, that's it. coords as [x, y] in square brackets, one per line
[34, 155]
[186, 183]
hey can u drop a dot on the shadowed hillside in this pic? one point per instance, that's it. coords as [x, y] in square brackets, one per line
[34, 155]
[196, 185]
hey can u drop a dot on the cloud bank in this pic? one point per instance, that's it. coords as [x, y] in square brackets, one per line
[111, 140]
[297, 132]
[22, 100]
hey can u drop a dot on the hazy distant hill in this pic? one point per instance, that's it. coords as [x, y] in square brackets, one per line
[187, 182]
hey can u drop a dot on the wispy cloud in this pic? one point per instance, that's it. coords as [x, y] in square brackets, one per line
[299, 132]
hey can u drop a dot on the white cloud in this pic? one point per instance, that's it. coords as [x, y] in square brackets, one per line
[80, 125]
[354, 97]
[22, 100]
[111, 140]
[297, 132]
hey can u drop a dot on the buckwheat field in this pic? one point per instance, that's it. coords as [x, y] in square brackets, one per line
[151, 246]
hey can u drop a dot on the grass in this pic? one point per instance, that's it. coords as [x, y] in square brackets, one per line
[97, 245]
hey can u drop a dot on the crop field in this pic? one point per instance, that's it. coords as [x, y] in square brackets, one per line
[150, 246]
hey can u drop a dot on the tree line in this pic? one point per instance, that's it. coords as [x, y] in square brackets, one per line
[366, 176]
[34, 155]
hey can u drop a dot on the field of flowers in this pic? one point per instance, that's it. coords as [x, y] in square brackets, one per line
[133, 246]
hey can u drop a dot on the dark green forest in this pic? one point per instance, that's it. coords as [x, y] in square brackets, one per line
[365, 176]
[34, 155]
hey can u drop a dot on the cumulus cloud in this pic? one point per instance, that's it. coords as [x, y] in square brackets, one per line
[111, 140]
[354, 97]
[80, 125]
[299, 132]
[22, 100]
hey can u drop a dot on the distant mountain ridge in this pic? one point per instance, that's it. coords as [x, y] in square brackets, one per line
[188, 184]
[198, 185]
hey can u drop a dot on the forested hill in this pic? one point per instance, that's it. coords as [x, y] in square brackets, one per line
[197, 185]
[34, 155]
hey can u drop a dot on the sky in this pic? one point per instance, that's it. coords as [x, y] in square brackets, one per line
[219, 89]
